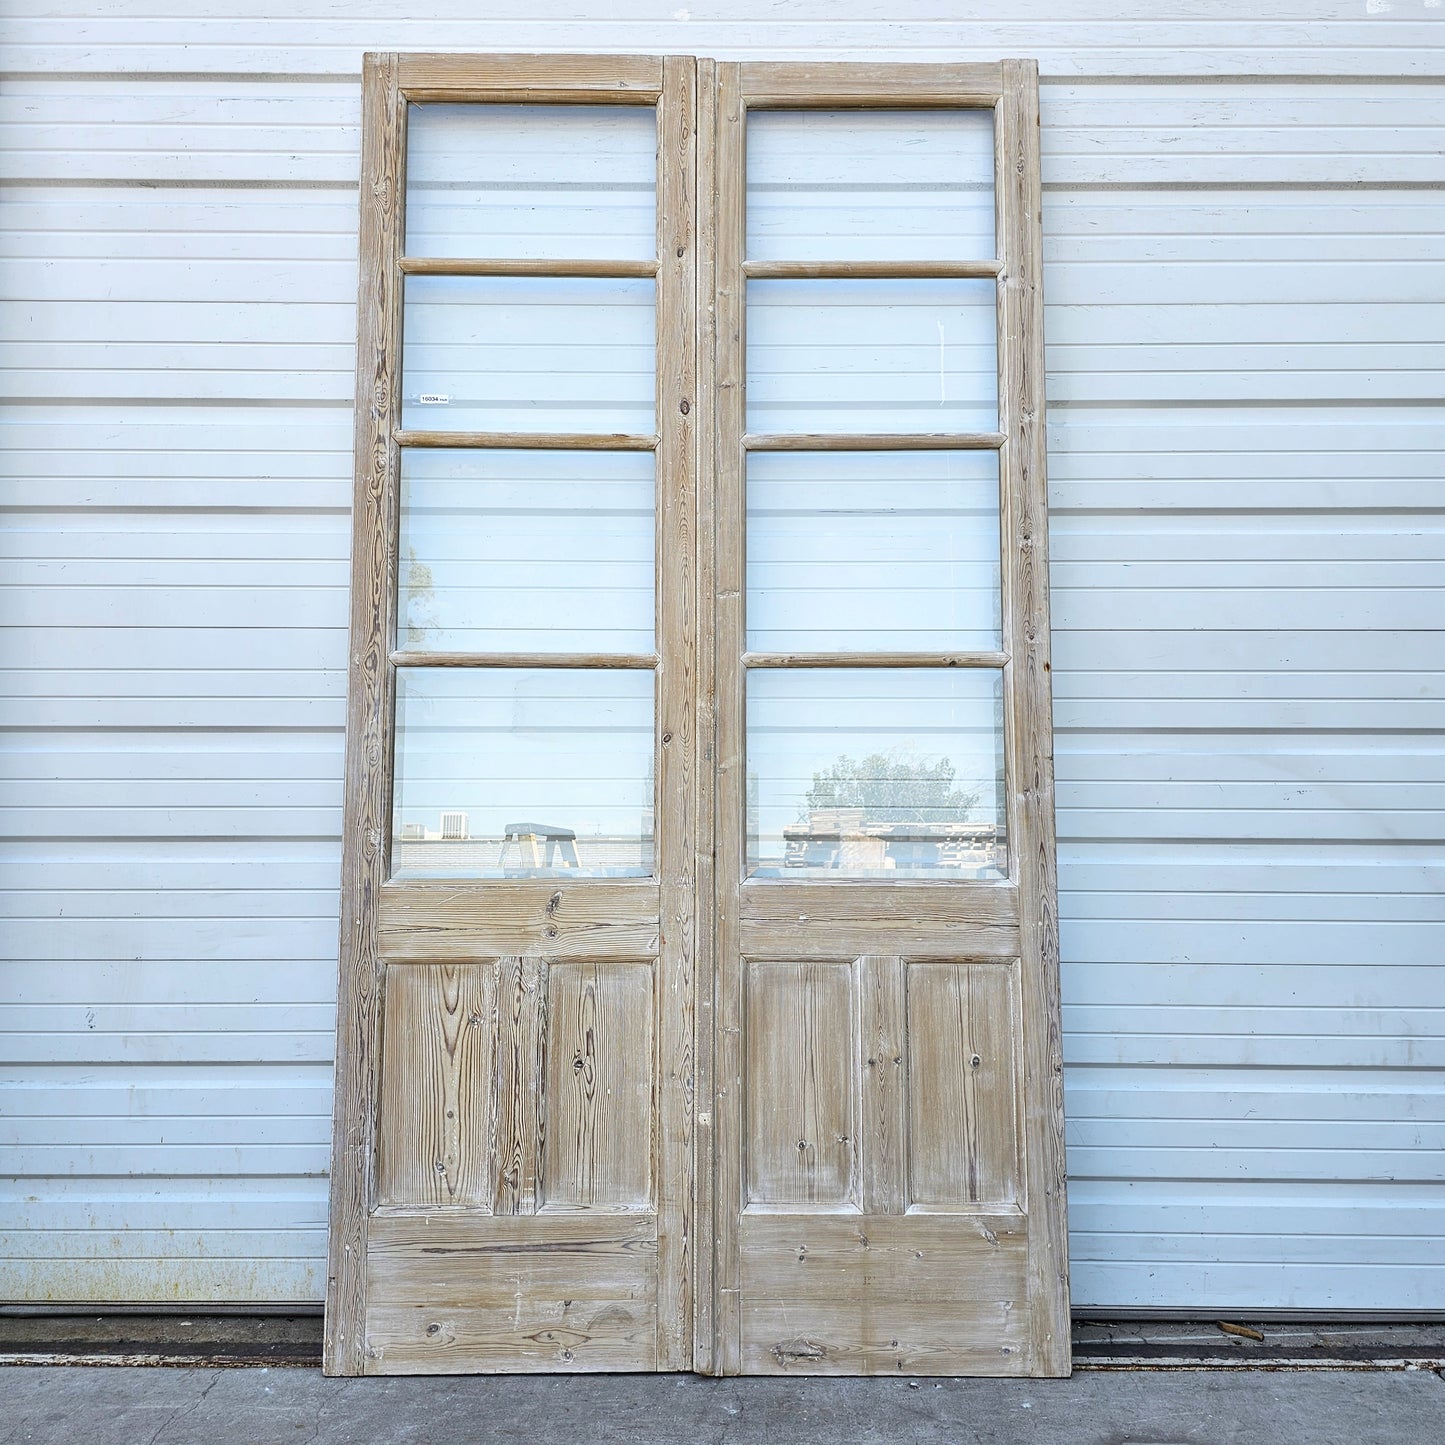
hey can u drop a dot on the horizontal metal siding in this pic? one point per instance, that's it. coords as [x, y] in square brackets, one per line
[1244, 285]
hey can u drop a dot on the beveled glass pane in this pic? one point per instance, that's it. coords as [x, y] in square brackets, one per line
[536, 181]
[871, 356]
[522, 773]
[528, 354]
[873, 551]
[526, 551]
[877, 185]
[875, 773]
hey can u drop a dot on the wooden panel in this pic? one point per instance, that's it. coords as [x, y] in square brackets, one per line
[453, 1293]
[434, 1112]
[599, 1084]
[521, 1035]
[438, 923]
[963, 1060]
[801, 1045]
[919, 1295]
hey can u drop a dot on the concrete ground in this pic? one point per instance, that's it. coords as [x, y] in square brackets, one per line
[121, 1405]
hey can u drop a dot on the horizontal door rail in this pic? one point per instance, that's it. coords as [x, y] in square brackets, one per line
[600, 660]
[530, 441]
[874, 659]
[869, 270]
[523, 266]
[986, 441]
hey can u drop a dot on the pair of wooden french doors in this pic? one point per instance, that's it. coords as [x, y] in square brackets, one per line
[698, 1002]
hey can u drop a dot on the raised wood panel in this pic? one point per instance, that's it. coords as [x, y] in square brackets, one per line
[963, 1061]
[599, 1084]
[434, 1113]
[911, 1296]
[521, 1033]
[801, 1044]
[454, 1293]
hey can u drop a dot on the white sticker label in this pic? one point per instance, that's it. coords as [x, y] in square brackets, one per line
[433, 398]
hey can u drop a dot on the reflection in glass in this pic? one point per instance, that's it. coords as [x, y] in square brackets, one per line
[522, 773]
[529, 354]
[871, 356]
[534, 181]
[872, 551]
[526, 551]
[875, 185]
[875, 773]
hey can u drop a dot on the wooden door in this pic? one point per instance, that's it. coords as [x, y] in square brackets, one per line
[698, 998]
[512, 1178]
[889, 1161]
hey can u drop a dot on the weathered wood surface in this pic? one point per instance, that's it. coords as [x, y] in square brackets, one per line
[435, 1109]
[369, 710]
[522, 266]
[1029, 741]
[531, 441]
[874, 1295]
[532, 79]
[452, 1294]
[438, 922]
[963, 1060]
[872, 441]
[800, 1029]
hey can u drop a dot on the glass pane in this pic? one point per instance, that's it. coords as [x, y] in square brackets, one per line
[526, 551]
[522, 774]
[872, 551]
[574, 181]
[879, 185]
[527, 354]
[876, 773]
[871, 356]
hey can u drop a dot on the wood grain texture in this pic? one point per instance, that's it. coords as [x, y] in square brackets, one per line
[530, 441]
[457, 1293]
[521, 1047]
[872, 1295]
[705, 706]
[800, 1083]
[522, 266]
[925, 906]
[963, 1061]
[676, 750]
[592, 661]
[598, 1094]
[867, 270]
[369, 715]
[439, 922]
[532, 79]
[819, 936]
[818, 85]
[729, 190]
[1028, 704]
[884, 1086]
[873, 441]
[435, 1119]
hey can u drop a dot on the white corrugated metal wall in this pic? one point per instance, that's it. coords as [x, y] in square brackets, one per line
[1245, 281]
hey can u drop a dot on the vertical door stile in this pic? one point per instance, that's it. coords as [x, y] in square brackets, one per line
[676, 747]
[1031, 760]
[705, 711]
[367, 828]
[728, 217]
